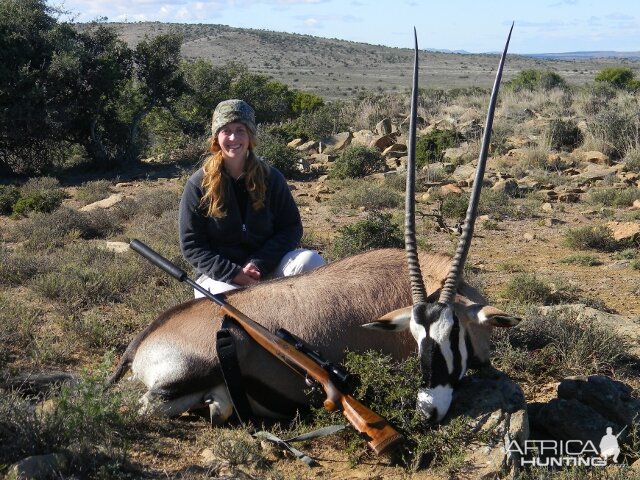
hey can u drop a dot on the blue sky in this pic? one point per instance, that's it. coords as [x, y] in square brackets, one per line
[541, 26]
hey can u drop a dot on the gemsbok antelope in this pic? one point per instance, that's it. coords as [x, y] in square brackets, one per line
[175, 356]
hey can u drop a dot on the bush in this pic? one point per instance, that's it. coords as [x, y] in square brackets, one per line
[375, 231]
[632, 160]
[619, 77]
[93, 191]
[276, 153]
[614, 197]
[563, 134]
[532, 79]
[369, 195]
[430, 147]
[553, 346]
[583, 260]
[597, 237]
[8, 197]
[357, 161]
[616, 128]
[527, 288]
[43, 202]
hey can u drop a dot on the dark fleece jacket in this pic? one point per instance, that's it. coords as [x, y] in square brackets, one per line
[219, 248]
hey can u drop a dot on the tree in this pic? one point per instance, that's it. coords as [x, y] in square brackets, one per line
[532, 79]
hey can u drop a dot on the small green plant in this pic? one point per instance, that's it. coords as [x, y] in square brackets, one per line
[596, 237]
[583, 260]
[357, 161]
[430, 147]
[527, 288]
[632, 160]
[93, 191]
[9, 195]
[613, 197]
[556, 345]
[375, 231]
[366, 194]
[42, 202]
[276, 152]
[563, 134]
[532, 79]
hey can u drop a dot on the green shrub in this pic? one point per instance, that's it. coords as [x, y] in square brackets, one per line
[549, 347]
[276, 152]
[619, 77]
[532, 79]
[527, 288]
[369, 195]
[597, 237]
[616, 128]
[18, 267]
[93, 191]
[563, 134]
[613, 197]
[9, 195]
[357, 161]
[157, 201]
[583, 260]
[375, 231]
[632, 160]
[42, 202]
[430, 147]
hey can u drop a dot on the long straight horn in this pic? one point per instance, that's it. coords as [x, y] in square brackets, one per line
[457, 264]
[418, 291]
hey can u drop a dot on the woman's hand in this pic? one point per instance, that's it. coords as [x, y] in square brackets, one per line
[248, 275]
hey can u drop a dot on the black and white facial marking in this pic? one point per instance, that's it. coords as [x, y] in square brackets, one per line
[442, 347]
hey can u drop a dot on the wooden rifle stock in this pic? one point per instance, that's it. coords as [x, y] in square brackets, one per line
[379, 434]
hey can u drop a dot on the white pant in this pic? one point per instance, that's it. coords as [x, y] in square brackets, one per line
[292, 263]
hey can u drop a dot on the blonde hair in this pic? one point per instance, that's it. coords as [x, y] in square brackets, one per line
[215, 178]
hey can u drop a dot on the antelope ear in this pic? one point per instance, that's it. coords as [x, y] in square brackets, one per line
[492, 316]
[395, 321]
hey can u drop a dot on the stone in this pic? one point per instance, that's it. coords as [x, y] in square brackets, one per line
[464, 172]
[491, 400]
[450, 189]
[384, 127]
[455, 154]
[295, 143]
[596, 157]
[383, 142]
[610, 398]
[335, 143]
[105, 203]
[508, 187]
[623, 231]
[39, 467]
[363, 137]
[117, 247]
[396, 150]
[309, 146]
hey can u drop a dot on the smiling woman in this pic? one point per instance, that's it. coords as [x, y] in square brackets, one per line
[238, 221]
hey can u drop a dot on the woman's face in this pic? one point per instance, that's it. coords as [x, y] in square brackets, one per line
[233, 139]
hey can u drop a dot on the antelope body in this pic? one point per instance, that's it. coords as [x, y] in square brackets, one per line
[175, 356]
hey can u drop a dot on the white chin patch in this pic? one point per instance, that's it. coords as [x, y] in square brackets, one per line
[434, 403]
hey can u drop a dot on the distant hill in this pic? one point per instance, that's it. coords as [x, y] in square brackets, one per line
[336, 69]
[587, 55]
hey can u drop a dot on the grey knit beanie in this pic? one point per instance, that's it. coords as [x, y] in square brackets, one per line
[233, 111]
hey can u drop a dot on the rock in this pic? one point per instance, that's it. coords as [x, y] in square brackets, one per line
[464, 172]
[592, 173]
[508, 187]
[295, 143]
[39, 467]
[383, 127]
[547, 207]
[570, 419]
[117, 247]
[456, 154]
[383, 142]
[396, 150]
[568, 197]
[105, 203]
[623, 231]
[636, 205]
[596, 157]
[363, 137]
[310, 146]
[491, 400]
[450, 189]
[335, 143]
[529, 237]
[610, 398]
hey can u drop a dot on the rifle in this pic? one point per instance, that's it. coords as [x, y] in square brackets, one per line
[379, 434]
